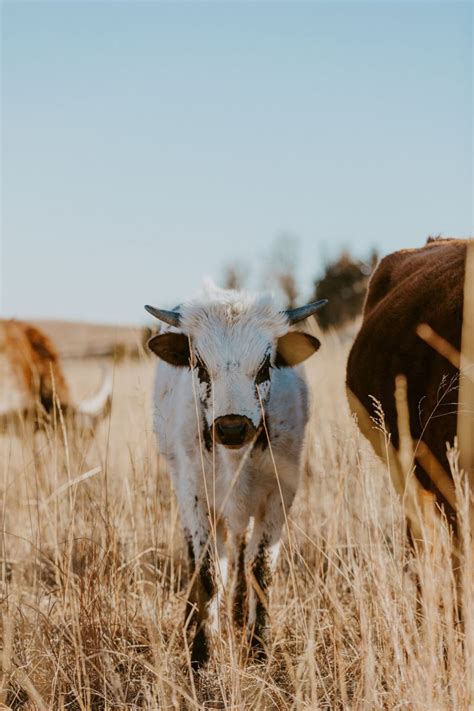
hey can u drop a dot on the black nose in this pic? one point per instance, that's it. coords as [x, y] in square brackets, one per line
[232, 430]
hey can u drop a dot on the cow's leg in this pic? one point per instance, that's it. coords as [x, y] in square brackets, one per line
[191, 602]
[206, 550]
[219, 555]
[262, 565]
[239, 599]
[205, 592]
[261, 557]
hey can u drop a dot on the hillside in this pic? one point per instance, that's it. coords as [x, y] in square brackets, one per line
[78, 340]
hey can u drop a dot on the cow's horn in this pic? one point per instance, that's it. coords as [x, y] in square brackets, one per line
[98, 405]
[173, 318]
[302, 312]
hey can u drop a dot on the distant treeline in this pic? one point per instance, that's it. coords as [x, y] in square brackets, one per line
[344, 284]
[343, 281]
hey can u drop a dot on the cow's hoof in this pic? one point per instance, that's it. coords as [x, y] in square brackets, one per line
[258, 642]
[200, 652]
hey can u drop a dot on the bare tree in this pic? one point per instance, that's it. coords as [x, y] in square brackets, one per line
[235, 275]
[281, 268]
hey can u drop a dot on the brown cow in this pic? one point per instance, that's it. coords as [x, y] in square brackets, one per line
[409, 288]
[32, 380]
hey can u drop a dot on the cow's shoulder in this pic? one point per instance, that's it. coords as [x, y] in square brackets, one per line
[408, 288]
[14, 342]
[407, 276]
[41, 344]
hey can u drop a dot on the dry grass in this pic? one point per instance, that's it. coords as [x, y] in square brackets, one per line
[93, 577]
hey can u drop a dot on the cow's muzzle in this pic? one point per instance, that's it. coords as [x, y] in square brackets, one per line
[233, 431]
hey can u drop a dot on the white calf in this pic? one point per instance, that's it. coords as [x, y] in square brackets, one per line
[230, 416]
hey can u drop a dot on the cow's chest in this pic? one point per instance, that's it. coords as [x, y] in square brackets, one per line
[235, 487]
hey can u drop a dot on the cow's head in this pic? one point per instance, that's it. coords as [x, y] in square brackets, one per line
[233, 343]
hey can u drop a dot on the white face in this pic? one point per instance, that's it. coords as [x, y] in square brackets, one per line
[233, 344]
[230, 379]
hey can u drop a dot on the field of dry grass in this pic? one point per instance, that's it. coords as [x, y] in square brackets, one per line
[93, 576]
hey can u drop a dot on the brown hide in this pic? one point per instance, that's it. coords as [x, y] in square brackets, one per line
[408, 288]
[35, 362]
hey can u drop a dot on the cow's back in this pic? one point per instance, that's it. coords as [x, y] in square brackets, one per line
[29, 367]
[408, 288]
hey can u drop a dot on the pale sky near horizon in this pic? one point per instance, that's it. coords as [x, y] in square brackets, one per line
[147, 144]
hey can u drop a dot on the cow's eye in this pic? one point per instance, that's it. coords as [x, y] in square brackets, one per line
[202, 372]
[264, 371]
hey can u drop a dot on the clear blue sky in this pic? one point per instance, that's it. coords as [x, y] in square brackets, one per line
[146, 144]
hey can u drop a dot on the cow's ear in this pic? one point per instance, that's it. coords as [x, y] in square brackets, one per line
[171, 347]
[294, 347]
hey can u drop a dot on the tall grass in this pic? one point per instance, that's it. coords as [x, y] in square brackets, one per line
[93, 576]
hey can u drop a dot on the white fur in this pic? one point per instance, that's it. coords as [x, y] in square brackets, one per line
[232, 331]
